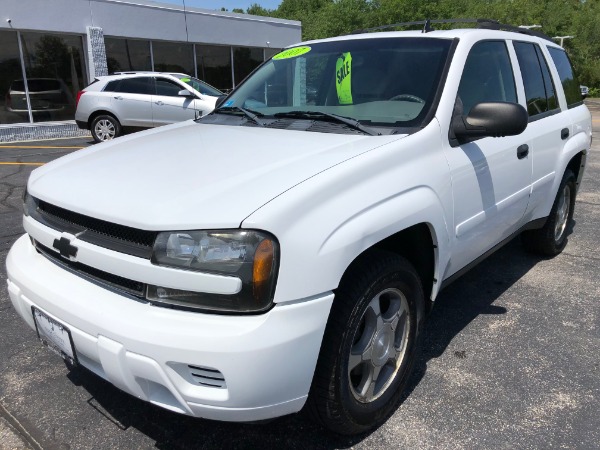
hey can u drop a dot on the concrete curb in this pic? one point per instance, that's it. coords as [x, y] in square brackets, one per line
[37, 131]
[13, 435]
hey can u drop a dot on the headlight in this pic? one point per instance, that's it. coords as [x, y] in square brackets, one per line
[252, 256]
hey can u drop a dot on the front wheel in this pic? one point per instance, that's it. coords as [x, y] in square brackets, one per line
[369, 344]
[105, 127]
[551, 239]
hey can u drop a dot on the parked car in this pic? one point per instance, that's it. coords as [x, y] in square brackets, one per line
[50, 99]
[585, 91]
[281, 253]
[141, 100]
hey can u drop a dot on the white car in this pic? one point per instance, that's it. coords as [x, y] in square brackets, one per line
[283, 252]
[141, 100]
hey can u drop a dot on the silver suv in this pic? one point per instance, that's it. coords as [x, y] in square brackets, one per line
[141, 100]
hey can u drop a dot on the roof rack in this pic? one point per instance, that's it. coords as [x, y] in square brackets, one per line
[487, 24]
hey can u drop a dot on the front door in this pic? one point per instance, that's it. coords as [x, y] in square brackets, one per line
[491, 177]
[168, 106]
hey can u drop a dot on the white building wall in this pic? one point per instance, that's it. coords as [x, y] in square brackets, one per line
[148, 20]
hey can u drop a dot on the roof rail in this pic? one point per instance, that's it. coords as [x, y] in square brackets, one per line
[488, 24]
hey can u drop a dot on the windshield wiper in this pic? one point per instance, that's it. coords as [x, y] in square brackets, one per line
[252, 115]
[318, 115]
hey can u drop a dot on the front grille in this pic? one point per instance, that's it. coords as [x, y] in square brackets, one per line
[100, 277]
[206, 376]
[121, 238]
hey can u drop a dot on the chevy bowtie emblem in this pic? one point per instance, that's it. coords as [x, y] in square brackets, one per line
[63, 245]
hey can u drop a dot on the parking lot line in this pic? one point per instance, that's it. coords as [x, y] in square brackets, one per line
[6, 163]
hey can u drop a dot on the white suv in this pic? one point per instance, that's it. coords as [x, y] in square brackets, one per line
[141, 100]
[284, 251]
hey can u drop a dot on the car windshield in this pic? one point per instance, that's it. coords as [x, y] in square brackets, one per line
[201, 86]
[389, 82]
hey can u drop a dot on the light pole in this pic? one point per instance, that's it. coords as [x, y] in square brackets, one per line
[562, 38]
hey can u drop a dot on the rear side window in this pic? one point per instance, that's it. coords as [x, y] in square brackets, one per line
[487, 77]
[570, 84]
[539, 90]
[141, 85]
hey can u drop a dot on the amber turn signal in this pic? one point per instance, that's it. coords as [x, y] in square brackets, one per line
[263, 265]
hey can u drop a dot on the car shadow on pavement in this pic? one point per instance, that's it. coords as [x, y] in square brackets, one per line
[457, 306]
[468, 297]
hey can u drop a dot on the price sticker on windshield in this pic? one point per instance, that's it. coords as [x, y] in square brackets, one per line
[343, 78]
[292, 52]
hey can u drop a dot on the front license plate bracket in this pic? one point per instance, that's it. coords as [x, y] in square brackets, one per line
[54, 335]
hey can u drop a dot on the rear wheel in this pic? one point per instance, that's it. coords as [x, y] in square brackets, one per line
[369, 345]
[105, 127]
[551, 239]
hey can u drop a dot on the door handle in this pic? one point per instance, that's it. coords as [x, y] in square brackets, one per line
[564, 133]
[118, 97]
[522, 151]
[159, 103]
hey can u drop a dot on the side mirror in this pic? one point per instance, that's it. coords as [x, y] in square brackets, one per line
[186, 93]
[494, 119]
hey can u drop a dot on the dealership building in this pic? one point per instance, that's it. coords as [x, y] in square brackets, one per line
[49, 50]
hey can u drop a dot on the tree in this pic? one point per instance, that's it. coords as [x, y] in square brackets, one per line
[256, 10]
[325, 18]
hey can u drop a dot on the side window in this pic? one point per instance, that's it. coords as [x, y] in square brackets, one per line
[138, 85]
[487, 77]
[539, 91]
[167, 87]
[548, 83]
[569, 83]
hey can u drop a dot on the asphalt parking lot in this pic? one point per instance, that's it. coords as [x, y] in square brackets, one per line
[511, 357]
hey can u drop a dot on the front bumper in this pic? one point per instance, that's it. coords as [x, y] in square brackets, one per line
[153, 353]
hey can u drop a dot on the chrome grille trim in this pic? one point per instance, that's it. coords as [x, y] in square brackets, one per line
[120, 238]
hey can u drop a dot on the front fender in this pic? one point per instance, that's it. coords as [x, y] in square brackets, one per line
[324, 223]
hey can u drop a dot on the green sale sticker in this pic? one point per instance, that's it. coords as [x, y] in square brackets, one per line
[292, 52]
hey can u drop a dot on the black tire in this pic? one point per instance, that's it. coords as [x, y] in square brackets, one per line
[334, 400]
[105, 127]
[552, 238]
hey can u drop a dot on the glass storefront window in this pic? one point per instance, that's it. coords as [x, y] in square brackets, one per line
[214, 65]
[124, 55]
[245, 60]
[55, 73]
[173, 57]
[13, 105]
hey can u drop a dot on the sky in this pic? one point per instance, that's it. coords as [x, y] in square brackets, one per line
[229, 4]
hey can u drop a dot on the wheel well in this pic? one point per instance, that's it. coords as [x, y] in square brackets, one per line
[416, 245]
[100, 113]
[575, 165]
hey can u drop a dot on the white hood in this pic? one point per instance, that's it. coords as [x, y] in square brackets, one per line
[191, 176]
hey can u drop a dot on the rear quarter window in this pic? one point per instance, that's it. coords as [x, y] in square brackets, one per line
[568, 80]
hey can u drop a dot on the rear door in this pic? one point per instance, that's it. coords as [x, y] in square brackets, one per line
[578, 113]
[549, 127]
[168, 106]
[132, 101]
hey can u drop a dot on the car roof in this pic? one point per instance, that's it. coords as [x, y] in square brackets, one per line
[457, 33]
